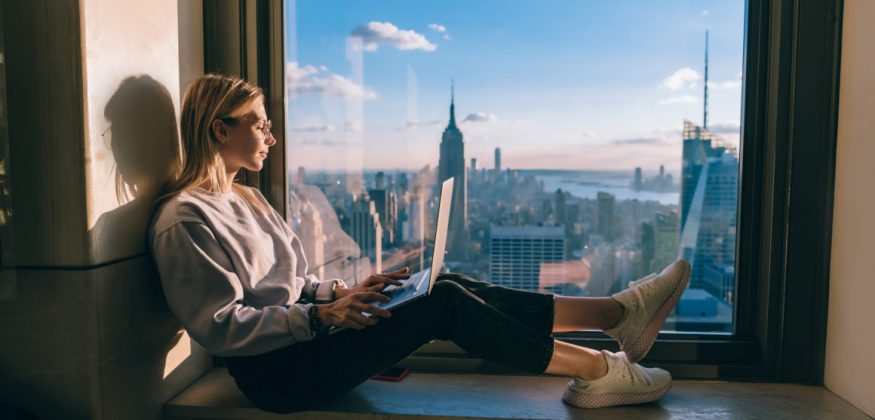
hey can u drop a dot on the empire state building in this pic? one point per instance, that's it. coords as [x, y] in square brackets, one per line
[452, 164]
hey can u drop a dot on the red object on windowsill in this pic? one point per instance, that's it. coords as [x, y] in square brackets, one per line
[394, 374]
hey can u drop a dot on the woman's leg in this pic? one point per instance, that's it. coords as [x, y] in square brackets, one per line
[586, 313]
[567, 313]
[308, 374]
[531, 308]
[582, 362]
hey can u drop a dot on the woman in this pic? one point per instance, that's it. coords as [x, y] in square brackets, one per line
[235, 276]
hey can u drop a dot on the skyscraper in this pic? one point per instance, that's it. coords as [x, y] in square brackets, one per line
[665, 240]
[386, 205]
[637, 184]
[414, 225]
[516, 253]
[559, 203]
[313, 239]
[709, 196]
[365, 229]
[562, 218]
[473, 174]
[705, 113]
[452, 164]
[605, 215]
[497, 159]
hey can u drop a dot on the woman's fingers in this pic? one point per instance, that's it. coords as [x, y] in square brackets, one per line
[383, 278]
[372, 297]
[371, 309]
[376, 288]
[361, 319]
[400, 274]
[392, 279]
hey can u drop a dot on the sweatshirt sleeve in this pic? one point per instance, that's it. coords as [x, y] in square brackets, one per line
[206, 296]
[314, 290]
[311, 282]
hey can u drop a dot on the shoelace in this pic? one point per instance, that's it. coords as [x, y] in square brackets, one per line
[635, 372]
[635, 286]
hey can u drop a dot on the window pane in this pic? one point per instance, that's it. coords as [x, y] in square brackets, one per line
[7, 257]
[592, 143]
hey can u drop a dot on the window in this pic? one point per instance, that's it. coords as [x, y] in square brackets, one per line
[567, 125]
[785, 176]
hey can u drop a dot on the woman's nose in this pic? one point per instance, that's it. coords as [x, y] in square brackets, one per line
[270, 140]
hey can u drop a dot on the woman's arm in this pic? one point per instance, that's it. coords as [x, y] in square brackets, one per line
[205, 294]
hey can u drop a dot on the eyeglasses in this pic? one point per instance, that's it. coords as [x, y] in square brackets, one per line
[121, 131]
[107, 137]
[262, 125]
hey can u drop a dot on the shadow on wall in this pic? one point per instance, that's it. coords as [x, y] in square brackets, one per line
[146, 358]
[144, 140]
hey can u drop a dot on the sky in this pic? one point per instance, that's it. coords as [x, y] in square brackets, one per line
[560, 84]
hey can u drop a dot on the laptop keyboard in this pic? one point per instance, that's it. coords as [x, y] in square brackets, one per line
[410, 282]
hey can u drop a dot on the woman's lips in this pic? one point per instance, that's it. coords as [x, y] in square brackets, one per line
[263, 154]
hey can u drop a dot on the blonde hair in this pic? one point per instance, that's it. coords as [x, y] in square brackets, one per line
[208, 98]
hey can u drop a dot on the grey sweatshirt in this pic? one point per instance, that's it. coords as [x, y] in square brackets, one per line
[236, 279]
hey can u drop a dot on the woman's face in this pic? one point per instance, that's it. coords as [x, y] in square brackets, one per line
[245, 142]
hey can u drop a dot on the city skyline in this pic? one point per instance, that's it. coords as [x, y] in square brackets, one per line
[617, 182]
[369, 89]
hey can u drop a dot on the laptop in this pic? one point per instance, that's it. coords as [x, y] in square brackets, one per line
[419, 284]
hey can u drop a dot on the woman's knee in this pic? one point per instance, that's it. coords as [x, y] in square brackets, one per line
[463, 279]
[454, 291]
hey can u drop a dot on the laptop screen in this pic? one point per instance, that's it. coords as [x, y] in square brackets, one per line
[441, 227]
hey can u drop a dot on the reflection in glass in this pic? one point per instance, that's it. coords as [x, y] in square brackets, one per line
[570, 128]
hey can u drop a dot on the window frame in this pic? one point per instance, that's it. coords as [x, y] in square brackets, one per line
[789, 120]
[245, 38]
[790, 112]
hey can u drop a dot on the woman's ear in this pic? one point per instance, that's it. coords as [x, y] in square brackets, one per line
[220, 130]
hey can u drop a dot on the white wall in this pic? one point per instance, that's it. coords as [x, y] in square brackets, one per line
[850, 344]
[87, 332]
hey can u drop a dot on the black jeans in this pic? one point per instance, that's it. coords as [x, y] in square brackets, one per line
[501, 324]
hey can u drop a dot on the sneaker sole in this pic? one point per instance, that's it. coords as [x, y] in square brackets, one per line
[584, 400]
[643, 345]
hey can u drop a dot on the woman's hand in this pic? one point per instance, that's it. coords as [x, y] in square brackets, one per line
[375, 283]
[347, 311]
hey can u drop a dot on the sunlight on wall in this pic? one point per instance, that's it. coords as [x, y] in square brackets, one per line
[178, 354]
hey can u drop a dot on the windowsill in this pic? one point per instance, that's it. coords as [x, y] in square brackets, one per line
[434, 395]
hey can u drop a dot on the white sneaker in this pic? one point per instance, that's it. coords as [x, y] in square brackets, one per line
[648, 301]
[625, 383]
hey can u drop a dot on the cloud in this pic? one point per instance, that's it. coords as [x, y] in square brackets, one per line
[312, 80]
[682, 99]
[480, 117]
[437, 27]
[727, 84]
[415, 124]
[641, 140]
[682, 78]
[315, 129]
[352, 127]
[447, 37]
[725, 128]
[705, 12]
[321, 142]
[375, 33]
